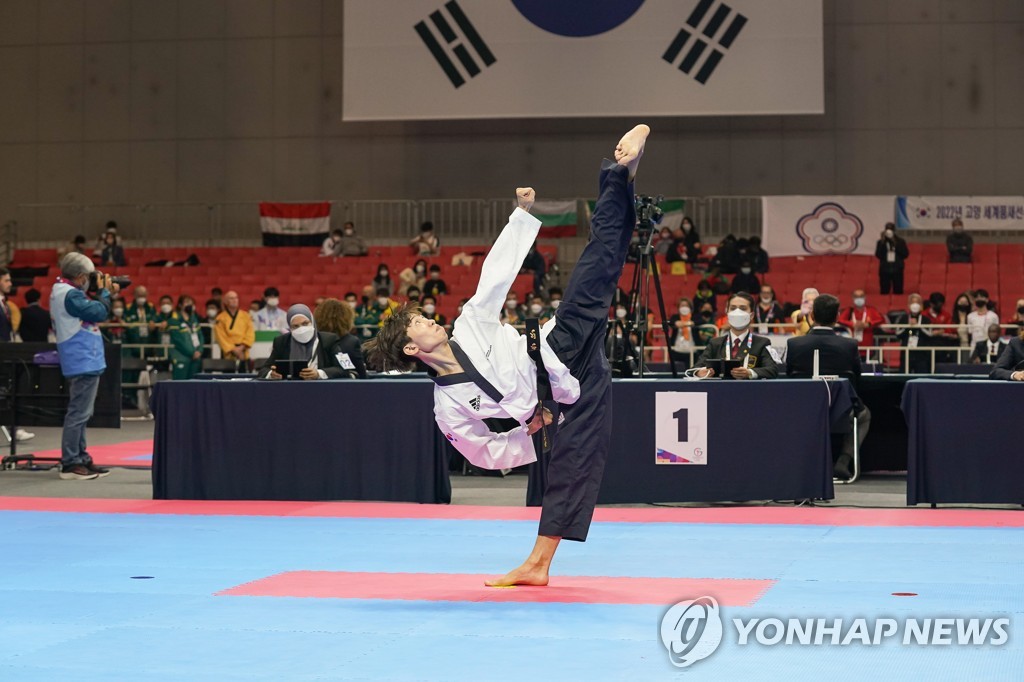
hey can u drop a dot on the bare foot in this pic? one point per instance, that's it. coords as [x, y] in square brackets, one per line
[631, 147]
[524, 575]
[525, 196]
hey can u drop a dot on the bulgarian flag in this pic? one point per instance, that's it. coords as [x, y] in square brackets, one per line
[557, 218]
[294, 224]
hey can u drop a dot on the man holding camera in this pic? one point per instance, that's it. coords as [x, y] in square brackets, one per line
[80, 347]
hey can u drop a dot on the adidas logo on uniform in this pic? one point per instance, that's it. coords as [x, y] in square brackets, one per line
[475, 403]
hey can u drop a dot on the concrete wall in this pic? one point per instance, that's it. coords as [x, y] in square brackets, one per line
[110, 101]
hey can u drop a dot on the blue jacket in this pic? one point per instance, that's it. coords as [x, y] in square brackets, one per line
[79, 342]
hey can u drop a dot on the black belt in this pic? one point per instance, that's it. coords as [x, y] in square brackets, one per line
[533, 342]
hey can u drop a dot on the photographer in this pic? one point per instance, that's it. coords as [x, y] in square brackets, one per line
[80, 347]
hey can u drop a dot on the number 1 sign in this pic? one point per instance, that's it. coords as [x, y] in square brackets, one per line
[681, 428]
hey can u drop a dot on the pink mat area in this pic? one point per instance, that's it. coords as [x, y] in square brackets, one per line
[810, 516]
[470, 588]
[134, 453]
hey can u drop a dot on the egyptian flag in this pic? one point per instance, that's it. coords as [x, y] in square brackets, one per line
[295, 224]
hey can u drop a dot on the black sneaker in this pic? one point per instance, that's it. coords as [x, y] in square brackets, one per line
[77, 472]
[99, 471]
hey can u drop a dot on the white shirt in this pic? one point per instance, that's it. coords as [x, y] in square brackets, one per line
[978, 325]
[495, 354]
[271, 319]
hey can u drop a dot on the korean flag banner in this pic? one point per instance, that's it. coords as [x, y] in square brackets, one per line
[459, 59]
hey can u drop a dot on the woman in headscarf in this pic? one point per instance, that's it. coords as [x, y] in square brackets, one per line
[304, 343]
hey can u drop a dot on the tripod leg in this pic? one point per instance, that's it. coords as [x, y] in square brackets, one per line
[664, 321]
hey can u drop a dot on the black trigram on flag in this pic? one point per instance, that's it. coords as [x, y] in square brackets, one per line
[453, 44]
[705, 38]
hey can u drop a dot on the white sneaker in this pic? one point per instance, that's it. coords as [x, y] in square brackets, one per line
[23, 435]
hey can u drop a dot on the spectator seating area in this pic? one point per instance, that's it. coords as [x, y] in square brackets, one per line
[299, 274]
[302, 276]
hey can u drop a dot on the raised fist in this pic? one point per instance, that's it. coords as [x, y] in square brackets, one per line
[525, 196]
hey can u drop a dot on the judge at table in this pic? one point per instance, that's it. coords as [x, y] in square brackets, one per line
[740, 344]
[987, 352]
[303, 342]
[1010, 366]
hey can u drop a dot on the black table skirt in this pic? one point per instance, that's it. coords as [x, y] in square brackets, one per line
[318, 440]
[767, 440]
[965, 441]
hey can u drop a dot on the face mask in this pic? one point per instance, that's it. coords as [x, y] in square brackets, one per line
[303, 334]
[555, 303]
[382, 301]
[166, 308]
[805, 308]
[118, 312]
[536, 308]
[1020, 310]
[140, 301]
[273, 301]
[889, 234]
[429, 309]
[963, 307]
[859, 301]
[414, 296]
[915, 308]
[435, 275]
[348, 233]
[706, 316]
[620, 313]
[684, 310]
[745, 271]
[382, 273]
[981, 303]
[767, 298]
[510, 304]
[420, 269]
[351, 304]
[211, 313]
[739, 319]
[188, 310]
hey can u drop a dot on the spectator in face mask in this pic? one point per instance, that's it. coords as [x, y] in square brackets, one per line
[435, 286]
[512, 314]
[705, 323]
[140, 317]
[681, 327]
[663, 242]
[383, 306]
[555, 298]
[206, 330]
[861, 319]
[350, 244]
[767, 311]
[413, 294]
[351, 300]
[740, 343]
[164, 312]
[338, 317]
[746, 280]
[989, 350]
[891, 251]
[959, 244]
[428, 307]
[426, 243]
[383, 279]
[912, 335]
[962, 309]
[115, 333]
[704, 295]
[319, 350]
[979, 321]
[271, 317]
[539, 310]
[186, 342]
[937, 315]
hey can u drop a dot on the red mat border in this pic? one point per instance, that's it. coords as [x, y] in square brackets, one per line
[469, 587]
[805, 516]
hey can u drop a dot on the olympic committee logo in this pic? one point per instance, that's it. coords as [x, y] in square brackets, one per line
[829, 229]
[691, 631]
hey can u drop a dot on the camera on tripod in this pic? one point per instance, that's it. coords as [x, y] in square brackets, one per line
[94, 281]
[648, 211]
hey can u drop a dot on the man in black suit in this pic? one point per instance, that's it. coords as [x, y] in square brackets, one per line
[35, 321]
[740, 344]
[836, 355]
[305, 343]
[1010, 366]
[989, 351]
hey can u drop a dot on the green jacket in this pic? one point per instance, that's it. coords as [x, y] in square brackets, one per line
[181, 329]
[133, 313]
